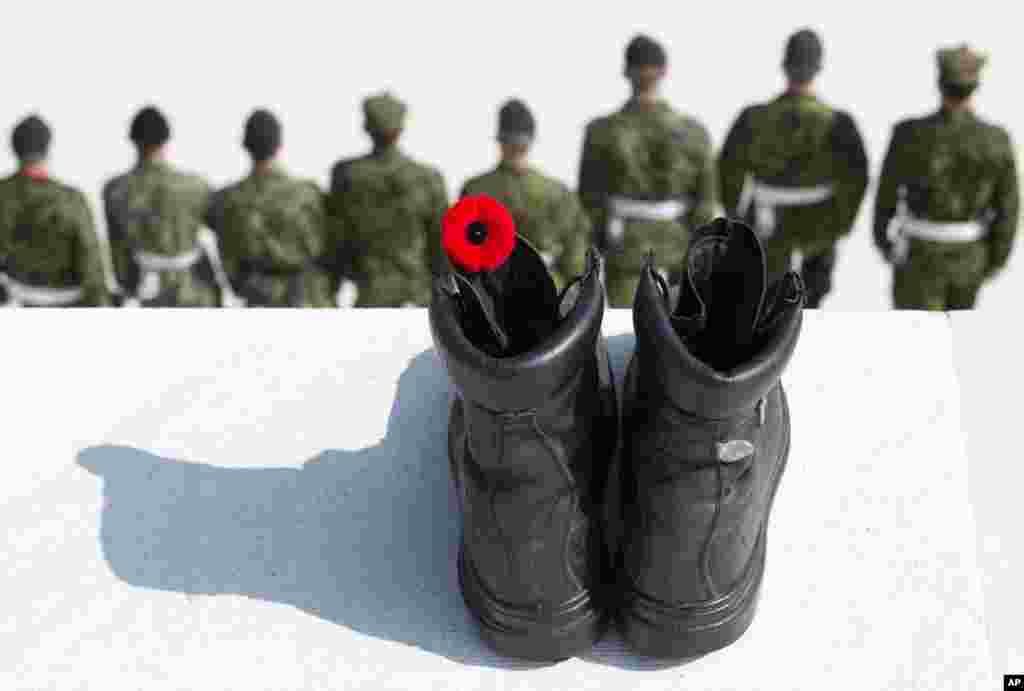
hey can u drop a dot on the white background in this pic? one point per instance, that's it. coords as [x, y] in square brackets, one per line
[88, 67]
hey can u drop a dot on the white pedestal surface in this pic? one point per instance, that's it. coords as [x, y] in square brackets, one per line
[260, 500]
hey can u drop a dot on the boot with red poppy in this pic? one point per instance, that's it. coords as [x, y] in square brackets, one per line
[706, 437]
[532, 430]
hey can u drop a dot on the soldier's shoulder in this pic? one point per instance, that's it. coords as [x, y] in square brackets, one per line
[552, 186]
[597, 125]
[997, 132]
[690, 128]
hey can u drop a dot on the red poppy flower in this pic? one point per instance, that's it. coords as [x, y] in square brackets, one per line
[478, 233]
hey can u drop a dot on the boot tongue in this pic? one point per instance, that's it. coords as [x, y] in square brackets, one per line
[510, 309]
[722, 294]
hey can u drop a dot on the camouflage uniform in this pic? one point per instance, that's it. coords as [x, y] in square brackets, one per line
[154, 216]
[646, 155]
[271, 231]
[386, 211]
[646, 179]
[947, 205]
[796, 169]
[546, 212]
[49, 251]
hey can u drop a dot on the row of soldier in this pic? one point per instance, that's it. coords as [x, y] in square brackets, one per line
[794, 167]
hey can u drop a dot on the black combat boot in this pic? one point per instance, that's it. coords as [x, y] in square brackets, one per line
[706, 436]
[532, 432]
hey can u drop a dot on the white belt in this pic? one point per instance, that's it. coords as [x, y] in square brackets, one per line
[22, 294]
[152, 265]
[148, 261]
[620, 209]
[766, 198]
[904, 225]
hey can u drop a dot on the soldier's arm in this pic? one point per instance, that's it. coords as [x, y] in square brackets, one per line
[592, 185]
[706, 187]
[435, 259]
[886, 196]
[125, 272]
[575, 228]
[214, 218]
[850, 161]
[1003, 230]
[88, 260]
[732, 162]
[335, 256]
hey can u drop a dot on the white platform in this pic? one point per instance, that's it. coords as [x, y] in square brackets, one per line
[260, 500]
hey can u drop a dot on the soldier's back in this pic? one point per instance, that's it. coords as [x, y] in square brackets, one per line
[392, 206]
[42, 226]
[271, 228]
[789, 140]
[950, 163]
[172, 201]
[651, 152]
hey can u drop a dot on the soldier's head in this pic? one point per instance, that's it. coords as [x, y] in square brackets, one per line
[516, 129]
[802, 58]
[646, 63]
[30, 141]
[959, 72]
[149, 131]
[262, 138]
[384, 118]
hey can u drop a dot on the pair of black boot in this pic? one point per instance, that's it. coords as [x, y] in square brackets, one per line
[576, 513]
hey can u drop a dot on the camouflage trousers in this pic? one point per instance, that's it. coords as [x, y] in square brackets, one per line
[392, 289]
[939, 277]
[816, 269]
[624, 265]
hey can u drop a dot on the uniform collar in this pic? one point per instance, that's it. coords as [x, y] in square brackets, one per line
[958, 115]
[152, 164]
[507, 167]
[387, 153]
[633, 105]
[807, 96]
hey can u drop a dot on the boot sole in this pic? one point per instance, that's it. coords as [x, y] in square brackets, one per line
[521, 633]
[658, 629]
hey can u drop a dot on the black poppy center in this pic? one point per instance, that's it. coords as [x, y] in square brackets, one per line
[476, 232]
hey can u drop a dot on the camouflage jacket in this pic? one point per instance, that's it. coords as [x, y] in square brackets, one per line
[48, 238]
[158, 210]
[546, 212]
[954, 167]
[796, 140]
[647, 154]
[272, 233]
[386, 211]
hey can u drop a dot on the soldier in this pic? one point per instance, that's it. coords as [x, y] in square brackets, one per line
[546, 212]
[154, 218]
[49, 251]
[271, 227]
[390, 207]
[947, 202]
[796, 169]
[646, 176]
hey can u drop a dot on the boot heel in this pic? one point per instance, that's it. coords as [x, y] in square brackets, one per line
[524, 634]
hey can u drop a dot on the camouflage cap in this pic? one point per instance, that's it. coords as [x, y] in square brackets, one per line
[149, 127]
[31, 138]
[960, 65]
[803, 56]
[516, 124]
[384, 112]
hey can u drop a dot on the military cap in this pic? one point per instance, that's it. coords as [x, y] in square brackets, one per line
[149, 127]
[262, 134]
[515, 123]
[384, 112]
[31, 138]
[960, 65]
[644, 51]
[803, 55]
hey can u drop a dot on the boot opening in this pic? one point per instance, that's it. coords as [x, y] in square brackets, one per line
[512, 309]
[726, 313]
